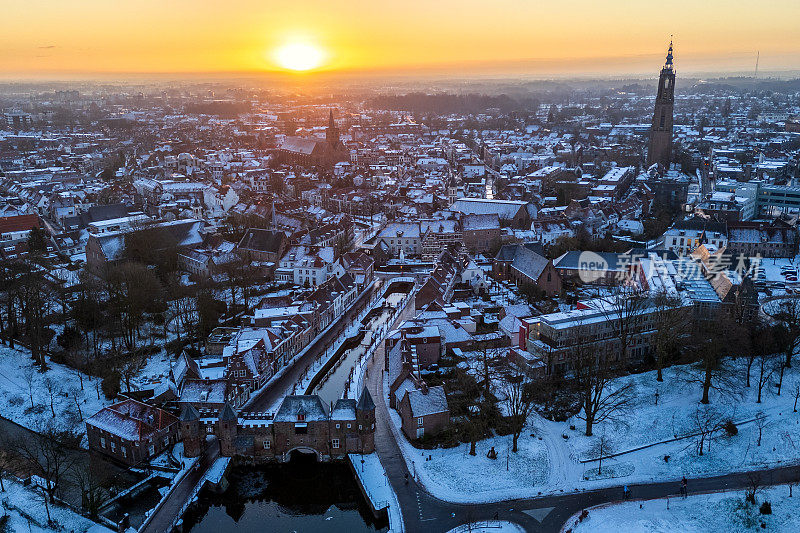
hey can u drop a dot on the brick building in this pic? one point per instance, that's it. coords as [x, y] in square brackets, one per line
[131, 431]
[302, 424]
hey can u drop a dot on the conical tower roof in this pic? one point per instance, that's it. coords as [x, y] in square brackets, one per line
[189, 414]
[365, 402]
[227, 413]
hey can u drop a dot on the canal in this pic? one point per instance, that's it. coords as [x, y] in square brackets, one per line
[333, 386]
[299, 496]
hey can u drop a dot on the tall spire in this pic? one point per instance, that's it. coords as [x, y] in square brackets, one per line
[668, 64]
[330, 119]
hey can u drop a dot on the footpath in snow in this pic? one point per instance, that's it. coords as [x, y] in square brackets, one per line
[656, 440]
[724, 512]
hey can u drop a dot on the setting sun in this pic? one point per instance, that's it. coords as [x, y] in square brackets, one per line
[299, 56]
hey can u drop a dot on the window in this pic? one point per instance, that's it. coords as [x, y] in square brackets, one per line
[348, 426]
[102, 442]
[113, 446]
[335, 444]
[151, 449]
[359, 427]
[266, 444]
[420, 422]
[124, 451]
[338, 426]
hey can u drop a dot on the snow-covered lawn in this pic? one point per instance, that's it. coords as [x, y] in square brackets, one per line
[20, 379]
[549, 463]
[707, 513]
[647, 423]
[452, 474]
[26, 512]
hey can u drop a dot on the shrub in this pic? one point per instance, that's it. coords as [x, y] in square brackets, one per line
[110, 384]
[766, 508]
[730, 428]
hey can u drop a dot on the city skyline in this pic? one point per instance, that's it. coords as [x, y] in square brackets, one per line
[49, 39]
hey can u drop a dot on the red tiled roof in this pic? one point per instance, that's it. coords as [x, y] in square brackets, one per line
[18, 223]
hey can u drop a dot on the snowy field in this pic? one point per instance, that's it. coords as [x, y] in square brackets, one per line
[706, 513]
[646, 423]
[20, 381]
[653, 443]
[26, 512]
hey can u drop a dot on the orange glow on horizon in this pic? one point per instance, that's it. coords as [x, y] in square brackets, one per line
[38, 37]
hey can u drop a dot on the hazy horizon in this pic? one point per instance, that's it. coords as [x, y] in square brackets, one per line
[46, 39]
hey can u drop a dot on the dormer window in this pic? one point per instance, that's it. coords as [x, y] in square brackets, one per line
[301, 417]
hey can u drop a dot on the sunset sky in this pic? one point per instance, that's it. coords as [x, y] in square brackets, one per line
[52, 37]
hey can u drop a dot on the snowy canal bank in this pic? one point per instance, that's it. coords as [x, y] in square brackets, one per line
[374, 484]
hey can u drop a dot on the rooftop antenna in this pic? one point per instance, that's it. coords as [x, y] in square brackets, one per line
[758, 56]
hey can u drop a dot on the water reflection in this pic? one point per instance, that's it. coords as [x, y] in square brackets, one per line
[297, 497]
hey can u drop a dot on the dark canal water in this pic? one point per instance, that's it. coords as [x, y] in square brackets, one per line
[296, 497]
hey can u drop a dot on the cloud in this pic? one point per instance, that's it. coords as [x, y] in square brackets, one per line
[49, 46]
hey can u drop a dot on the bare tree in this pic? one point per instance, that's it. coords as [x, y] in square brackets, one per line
[52, 391]
[706, 420]
[761, 423]
[753, 487]
[796, 395]
[130, 367]
[29, 375]
[50, 454]
[592, 375]
[671, 321]
[788, 315]
[518, 401]
[768, 363]
[623, 310]
[90, 477]
[601, 449]
[713, 342]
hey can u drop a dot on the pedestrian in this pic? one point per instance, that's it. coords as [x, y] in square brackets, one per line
[684, 487]
[626, 492]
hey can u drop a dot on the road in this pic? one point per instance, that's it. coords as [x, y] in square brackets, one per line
[280, 387]
[424, 512]
[172, 508]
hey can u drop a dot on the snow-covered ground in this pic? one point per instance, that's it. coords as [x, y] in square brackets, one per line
[646, 423]
[26, 512]
[373, 479]
[20, 379]
[553, 458]
[708, 513]
[454, 475]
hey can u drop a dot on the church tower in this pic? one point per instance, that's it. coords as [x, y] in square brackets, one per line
[660, 148]
[332, 133]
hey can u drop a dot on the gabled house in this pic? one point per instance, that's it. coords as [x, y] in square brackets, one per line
[131, 431]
